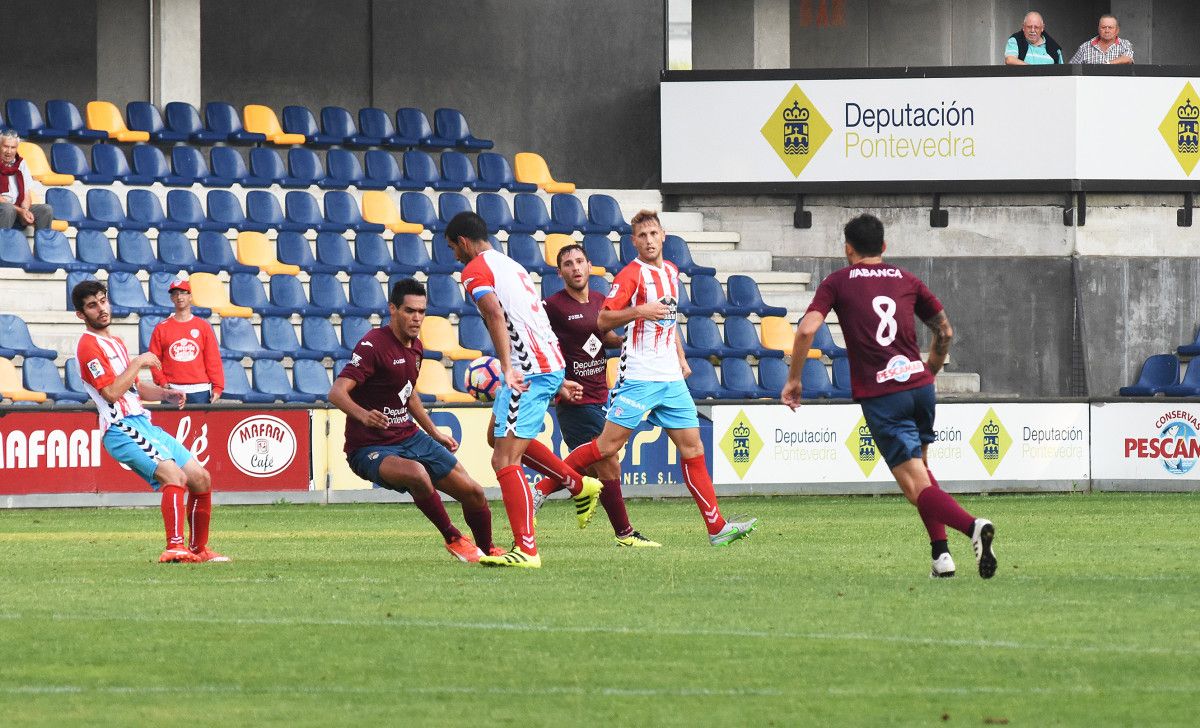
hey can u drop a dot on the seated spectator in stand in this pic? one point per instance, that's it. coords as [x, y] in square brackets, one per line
[15, 186]
[1030, 46]
[1107, 47]
[187, 348]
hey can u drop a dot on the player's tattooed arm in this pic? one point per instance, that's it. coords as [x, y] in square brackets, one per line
[943, 334]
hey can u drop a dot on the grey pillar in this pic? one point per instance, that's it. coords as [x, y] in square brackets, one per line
[772, 34]
[122, 51]
[175, 51]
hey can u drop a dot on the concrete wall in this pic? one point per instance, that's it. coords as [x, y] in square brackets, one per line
[50, 51]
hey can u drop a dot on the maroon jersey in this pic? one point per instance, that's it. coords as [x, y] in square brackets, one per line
[574, 324]
[386, 373]
[875, 306]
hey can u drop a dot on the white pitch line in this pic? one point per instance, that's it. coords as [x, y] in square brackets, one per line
[403, 623]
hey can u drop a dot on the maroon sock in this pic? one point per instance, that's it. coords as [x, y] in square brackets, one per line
[479, 520]
[431, 506]
[936, 529]
[614, 506]
[936, 504]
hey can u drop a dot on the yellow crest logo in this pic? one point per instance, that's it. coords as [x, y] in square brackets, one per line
[796, 130]
[991, 441]
[861, 444]
[1181, 128]
[741, 444]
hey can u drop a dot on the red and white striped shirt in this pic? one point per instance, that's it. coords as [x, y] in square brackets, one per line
[649, 352]
[101, 360]
[533, 346]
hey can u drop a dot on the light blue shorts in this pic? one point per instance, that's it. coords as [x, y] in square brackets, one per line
[135, 442]
[523, 414]
[670, 405]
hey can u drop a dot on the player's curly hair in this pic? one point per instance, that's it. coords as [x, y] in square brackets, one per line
[467, 225]
[562, 252]
[85, 290]
[865, 234]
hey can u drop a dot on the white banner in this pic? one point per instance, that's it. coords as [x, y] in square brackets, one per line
[831, 444]
[1146, 441]
[912, 129]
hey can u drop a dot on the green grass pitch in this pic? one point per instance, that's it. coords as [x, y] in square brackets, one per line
[355, 615]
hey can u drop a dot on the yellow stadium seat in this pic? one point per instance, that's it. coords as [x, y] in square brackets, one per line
[438, 335]
[255, 249]
[104, 116]
[614, 364]
[530, 167]
[377, 207]
[39, 168]
[814, 353]
[777, 333]
[59, 225]
[434, 379]
[209, 292]
[10, 385]
[556, 242]
[262, 120]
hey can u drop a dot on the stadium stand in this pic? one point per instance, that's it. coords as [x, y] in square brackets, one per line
[379, 208]
[109, 160]
[377, 123]
[238, 340]
[64, 119]
[1159, 371]
[39, 166]
[15, 340]
[449, 125]
[68, 159]
[208, 291]
[40, 375]
[145, 116]
[337, 123]
[435, 380]
[300, 120]
[259, 119]
[532, 169]
[237, 386]
[223, 119]
[412, 123]
[495, 170]
[270, 378]
[106, 117]
[24, 117]
[12, 388]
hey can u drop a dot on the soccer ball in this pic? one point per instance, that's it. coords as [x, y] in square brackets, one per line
[483, 378]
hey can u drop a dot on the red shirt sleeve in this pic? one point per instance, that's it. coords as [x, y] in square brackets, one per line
[478, 279]
[362, 361]
[825, 296]
[212, 359]
[93, 364]
[156, 348]
[623, 288]
[927, 305]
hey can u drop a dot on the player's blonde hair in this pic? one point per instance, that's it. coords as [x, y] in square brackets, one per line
[644, 216]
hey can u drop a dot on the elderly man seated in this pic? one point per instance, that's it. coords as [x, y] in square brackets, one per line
[1107, 46]
[1030, 46]
[16, 208]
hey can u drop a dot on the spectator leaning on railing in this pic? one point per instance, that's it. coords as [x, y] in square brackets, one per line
[16, 183]
[1107, 46]
[1030, 46]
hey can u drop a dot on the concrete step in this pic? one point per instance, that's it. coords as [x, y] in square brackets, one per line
[957, 383]
[696, 235]
[733, 261]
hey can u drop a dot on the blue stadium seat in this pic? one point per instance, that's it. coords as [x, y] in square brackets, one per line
[108, 160]
[225, 209]
[823, 340]
[1189, 384]
[413, 124]
[263, 207]
[415, 207]
[237, 386]
[1192, 349]
[457, 169]
[238, 341]
[300, 120]
[104, 207]
[270, 378]
[381, 168]
[473, 334]
[51, 247]
[600, 251]
[341, 209]
[317, 335]
[73, 279]
[604, 212]
[213, 248]
[445, 297]
[40, 375]
[227, 163]
[15, 340]
[333, 252]
[266, 163]
[495, 170]
[288, 292]
[458, 375]
[366, 293]
[450, 126]
[676, 251]
[184, 212]
[294, 249]
[304, 166]
[189, 163]
[149, 161]
[337, 122]
[144, 207]
[377, 123]
[128, 297]
[743, 338]
[176, 254]
[63, 115]
[530, 213]
[145, 116]
[222, 118]
[420, 172]
[815, 380]
[703, 383]
[772, 375]
[66, 158]
[93, 248]
[15, 253]
[525, 250]
[279, 335]
[703, 339]
[73, 380]
[627, 249]
[312, 377]
[183, 118]
[1158, 372]
[353, 329]
[689, 308]
[133, 248]
[443, 256]
[451, 204]
[25, 118]
[494, 210]
[567, 216]
[744, 293]
[302, 213]
[410, 253]
[342, 170]
[707, 292]
[326, 291]
[551, 284]
[841, 379]
[738, 379]
[246, 290]
[371, 253]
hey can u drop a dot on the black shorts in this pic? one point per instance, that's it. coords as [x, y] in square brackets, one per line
[420, 447]
[901, 423]
[580, 423]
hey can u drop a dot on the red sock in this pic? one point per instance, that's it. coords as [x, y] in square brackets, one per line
[936, 529]
[583, 457]
[558, 475]
[695, 476]
[936, 504]
[614, 506]
[518, 504]
[199, 511]
[431, 505]
[479, 520]
[173, 512]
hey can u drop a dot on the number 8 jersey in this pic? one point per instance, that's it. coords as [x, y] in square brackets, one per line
[875, 305]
